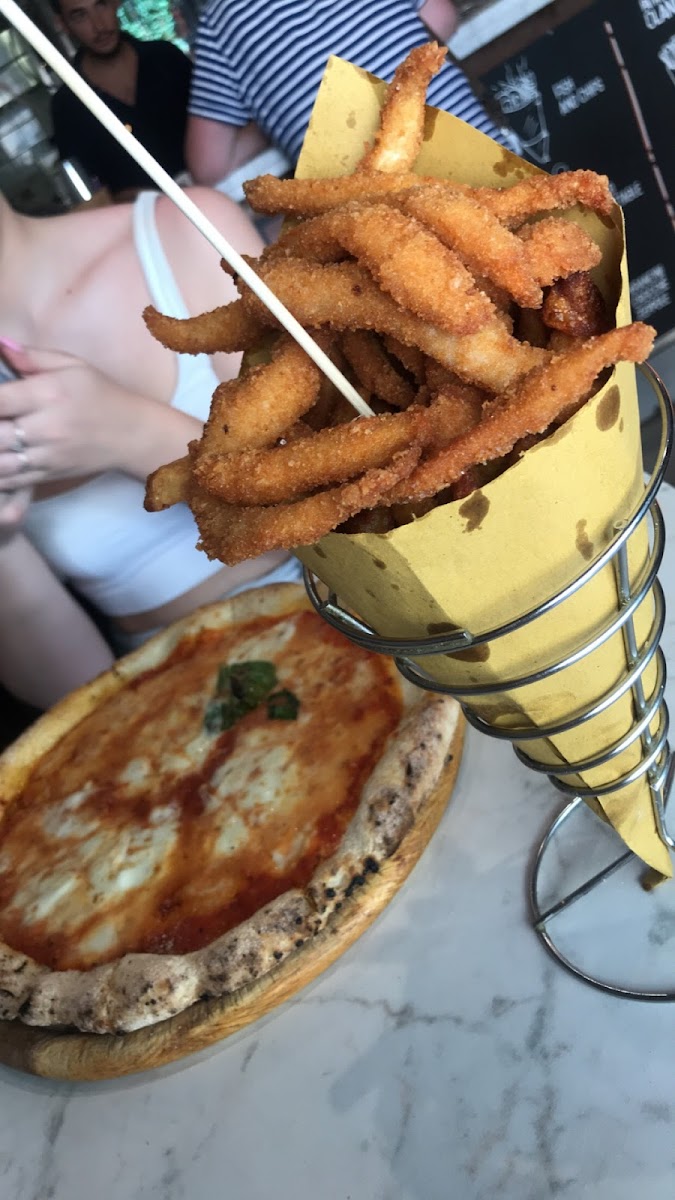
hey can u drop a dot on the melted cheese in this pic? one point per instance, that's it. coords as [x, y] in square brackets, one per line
[140, 831]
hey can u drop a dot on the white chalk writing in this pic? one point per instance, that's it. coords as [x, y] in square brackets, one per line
[571, 96]
[655, 12]
[630, 191]
[650, 292]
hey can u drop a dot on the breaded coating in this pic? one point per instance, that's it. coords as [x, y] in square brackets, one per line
[261, 405]
[399, 137]
[556, 248]
[550, 393]
[223, 330]
[229, 533]
[169, 484]
[479, 238]
[374, 368]
[412, 265]
[343, 296]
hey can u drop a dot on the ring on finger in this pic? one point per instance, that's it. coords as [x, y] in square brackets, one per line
[19, 448]
[20, 439]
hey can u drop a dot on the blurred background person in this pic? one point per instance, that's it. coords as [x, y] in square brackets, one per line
[100, 405]
[258, 65]
[146, 84]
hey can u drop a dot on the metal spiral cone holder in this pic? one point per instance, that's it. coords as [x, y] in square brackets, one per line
[650, 728]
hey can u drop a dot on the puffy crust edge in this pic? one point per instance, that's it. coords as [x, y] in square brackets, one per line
[142, 989]
[403, 779]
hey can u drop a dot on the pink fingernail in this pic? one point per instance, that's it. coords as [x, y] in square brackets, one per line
[10, 344]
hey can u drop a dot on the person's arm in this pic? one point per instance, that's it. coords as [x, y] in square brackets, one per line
[222, 133]
[213, 149]
[440, 17]
[48, 644]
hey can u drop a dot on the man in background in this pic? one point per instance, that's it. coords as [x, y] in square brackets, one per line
[146, 84]
[259, 63]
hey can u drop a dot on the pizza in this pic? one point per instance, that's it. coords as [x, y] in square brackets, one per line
[181, 826]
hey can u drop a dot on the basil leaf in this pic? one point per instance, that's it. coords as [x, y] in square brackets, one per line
[283, 706]
[247, 682]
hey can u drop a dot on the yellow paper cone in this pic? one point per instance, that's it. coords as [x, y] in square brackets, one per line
[479, 563]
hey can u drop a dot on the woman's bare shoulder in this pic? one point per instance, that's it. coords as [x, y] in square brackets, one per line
[195, 263]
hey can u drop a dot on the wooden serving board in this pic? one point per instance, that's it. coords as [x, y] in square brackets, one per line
[88, 1056]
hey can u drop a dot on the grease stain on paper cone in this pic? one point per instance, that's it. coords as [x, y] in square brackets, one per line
[608, 222]
[474, 511]
[607, 413]
[583, 543]
[472, 654]
[429, 124]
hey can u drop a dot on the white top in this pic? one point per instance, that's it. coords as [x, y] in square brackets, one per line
[98, 537]
[444, 1056]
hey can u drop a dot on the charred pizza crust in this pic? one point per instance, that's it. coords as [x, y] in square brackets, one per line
[140, 989]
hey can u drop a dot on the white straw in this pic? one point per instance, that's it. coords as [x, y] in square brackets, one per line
[166, 184]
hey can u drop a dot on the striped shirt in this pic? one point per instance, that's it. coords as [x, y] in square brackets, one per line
[263, 60]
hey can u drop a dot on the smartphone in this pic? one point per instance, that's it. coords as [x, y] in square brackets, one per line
[7, 371]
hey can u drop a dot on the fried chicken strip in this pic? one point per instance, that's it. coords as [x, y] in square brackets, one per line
[515, 204]
[282, 473]
[479, 238]
[168, 485]
[408, 261]
[343, 296]
[519, 264]
[313, 238]
[411, 264]
[399, 138]
[374, 369]
[309, 197]
[550, 393]
[263, 404]
[557, 248]
[226, 329]
[232, 534]
[542, 193]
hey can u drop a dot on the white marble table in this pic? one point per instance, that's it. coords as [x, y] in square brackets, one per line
[444, 1057]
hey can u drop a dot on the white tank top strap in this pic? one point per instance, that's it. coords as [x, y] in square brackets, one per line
[97, 535]
[166, 295]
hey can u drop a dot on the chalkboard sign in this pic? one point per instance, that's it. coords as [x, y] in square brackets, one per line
[599, 92]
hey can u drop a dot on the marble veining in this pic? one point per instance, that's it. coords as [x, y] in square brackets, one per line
[443, 1057]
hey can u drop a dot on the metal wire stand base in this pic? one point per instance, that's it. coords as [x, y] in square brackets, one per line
[543, 917]
[649, 731]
